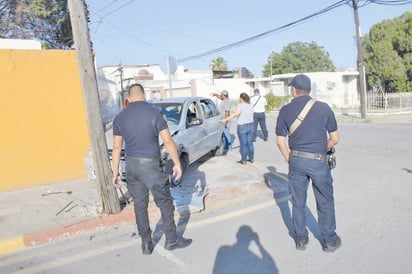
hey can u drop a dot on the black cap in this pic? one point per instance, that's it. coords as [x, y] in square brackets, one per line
[256, 90]
[301, 82]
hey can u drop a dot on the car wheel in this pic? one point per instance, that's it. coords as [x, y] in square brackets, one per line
[220, 150]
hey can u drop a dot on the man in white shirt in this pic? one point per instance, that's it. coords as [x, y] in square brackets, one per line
[259, 117]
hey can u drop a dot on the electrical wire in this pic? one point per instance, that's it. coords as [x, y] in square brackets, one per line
[391, 2]
[260, 35]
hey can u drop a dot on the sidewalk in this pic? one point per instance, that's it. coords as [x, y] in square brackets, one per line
[47, 213]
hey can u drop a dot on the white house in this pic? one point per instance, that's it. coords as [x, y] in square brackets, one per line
[338, 89]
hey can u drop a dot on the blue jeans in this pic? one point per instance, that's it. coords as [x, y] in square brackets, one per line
[301, 170]
[226, 135]
[144, 175]
[245, 134]
[259, 118]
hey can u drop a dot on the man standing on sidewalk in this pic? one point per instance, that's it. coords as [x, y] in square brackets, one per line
[140, 125]
[259, 117]
[309, 141]
[224, 110]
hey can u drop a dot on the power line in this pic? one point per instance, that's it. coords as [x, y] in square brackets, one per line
[260, 35]
[391, 2]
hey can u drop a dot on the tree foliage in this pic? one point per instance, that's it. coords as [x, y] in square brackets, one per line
[388, 54]
[44, 20]
[218, 64]
[298, 57]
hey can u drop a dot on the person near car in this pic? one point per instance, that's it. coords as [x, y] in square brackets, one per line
[305, 153]
[244, 114]
[259, 117]
[224, 110]
[139, 126]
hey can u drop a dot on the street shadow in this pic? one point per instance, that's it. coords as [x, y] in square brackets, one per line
[279, 184]
[188, 198]
[407, 170]
[239, 258]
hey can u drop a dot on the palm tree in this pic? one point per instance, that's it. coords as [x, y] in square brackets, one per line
[218, 64]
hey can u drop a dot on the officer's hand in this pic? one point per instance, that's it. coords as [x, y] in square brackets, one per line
[177, 173]
[116, 181]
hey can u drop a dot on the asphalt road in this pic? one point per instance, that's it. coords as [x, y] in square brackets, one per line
[373, 191]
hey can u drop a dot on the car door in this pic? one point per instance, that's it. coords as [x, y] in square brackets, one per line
[212, 124]
[195, 134]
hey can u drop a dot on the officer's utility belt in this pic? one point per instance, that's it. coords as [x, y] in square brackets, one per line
[315, 156]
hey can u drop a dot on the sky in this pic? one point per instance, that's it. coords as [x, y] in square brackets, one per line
[131, 32]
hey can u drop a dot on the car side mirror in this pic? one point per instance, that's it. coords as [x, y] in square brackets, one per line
[196, 122]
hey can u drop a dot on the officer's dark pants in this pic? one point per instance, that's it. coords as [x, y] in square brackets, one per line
[259, 118]
[300, 171]
[144, 175]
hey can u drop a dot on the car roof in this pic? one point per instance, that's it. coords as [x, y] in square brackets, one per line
[180, 100]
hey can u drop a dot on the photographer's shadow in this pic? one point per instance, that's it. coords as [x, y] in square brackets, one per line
[238, 258]
[188, 197]
[279, 184]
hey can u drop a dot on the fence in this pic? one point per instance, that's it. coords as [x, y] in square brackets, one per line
[379, 101]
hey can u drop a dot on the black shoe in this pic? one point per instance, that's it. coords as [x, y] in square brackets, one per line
[266, 139]
[147, 247]
[241, 162]
[180, 243]
[331, 247]
[301, 243]
[251, 161]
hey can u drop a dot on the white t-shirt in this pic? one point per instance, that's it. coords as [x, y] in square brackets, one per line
[259, 106]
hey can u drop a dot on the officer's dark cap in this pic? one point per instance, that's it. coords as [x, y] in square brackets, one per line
[301, 82]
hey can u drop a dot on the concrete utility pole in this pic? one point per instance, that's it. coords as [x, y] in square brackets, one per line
[360, 63]
[110, 200]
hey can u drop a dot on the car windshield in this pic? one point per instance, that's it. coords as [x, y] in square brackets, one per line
[171, 112]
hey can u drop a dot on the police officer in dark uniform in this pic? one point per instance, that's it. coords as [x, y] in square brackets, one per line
[140, 125]
[313, 138]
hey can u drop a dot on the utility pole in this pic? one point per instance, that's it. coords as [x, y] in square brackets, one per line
[108, 194]
[360, 63]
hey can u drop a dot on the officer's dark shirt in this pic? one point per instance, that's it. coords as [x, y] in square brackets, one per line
[311, 135]
[139, 124]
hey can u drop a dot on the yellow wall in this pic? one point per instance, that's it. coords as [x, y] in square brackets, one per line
[43, 129]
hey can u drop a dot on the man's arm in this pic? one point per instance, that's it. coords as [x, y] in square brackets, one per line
[219, 96]
[333, 139]
[171, 148]
[230, 117]
[116, 151]
[281, 142]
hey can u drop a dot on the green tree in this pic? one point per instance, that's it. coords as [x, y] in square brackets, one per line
[218, 64]
[45, 20]
[388, 54]
[299, 57]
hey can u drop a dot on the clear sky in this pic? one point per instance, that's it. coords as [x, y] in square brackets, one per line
[135, 32]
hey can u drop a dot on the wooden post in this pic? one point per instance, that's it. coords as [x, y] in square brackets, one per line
[360, 62]
[110, 200]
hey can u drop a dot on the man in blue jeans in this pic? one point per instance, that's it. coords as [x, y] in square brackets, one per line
[140, 125]
[259, 116]
[309, 143]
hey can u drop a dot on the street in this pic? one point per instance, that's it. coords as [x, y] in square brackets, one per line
[373, 191]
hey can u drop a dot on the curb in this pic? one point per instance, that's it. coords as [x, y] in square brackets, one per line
[217, 197]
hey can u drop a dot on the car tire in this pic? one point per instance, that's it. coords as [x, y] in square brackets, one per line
[220, 150]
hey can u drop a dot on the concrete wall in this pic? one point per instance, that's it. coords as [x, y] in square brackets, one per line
[44, 132]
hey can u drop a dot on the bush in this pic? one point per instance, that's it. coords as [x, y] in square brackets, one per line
[274, 101]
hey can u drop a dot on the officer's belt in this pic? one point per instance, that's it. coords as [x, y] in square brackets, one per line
[315, 156]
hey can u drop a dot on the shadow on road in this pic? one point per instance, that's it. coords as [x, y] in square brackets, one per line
[278, 183]
[239, 258]
[188, 198]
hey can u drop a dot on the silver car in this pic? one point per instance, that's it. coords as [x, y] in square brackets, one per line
[194, 123]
